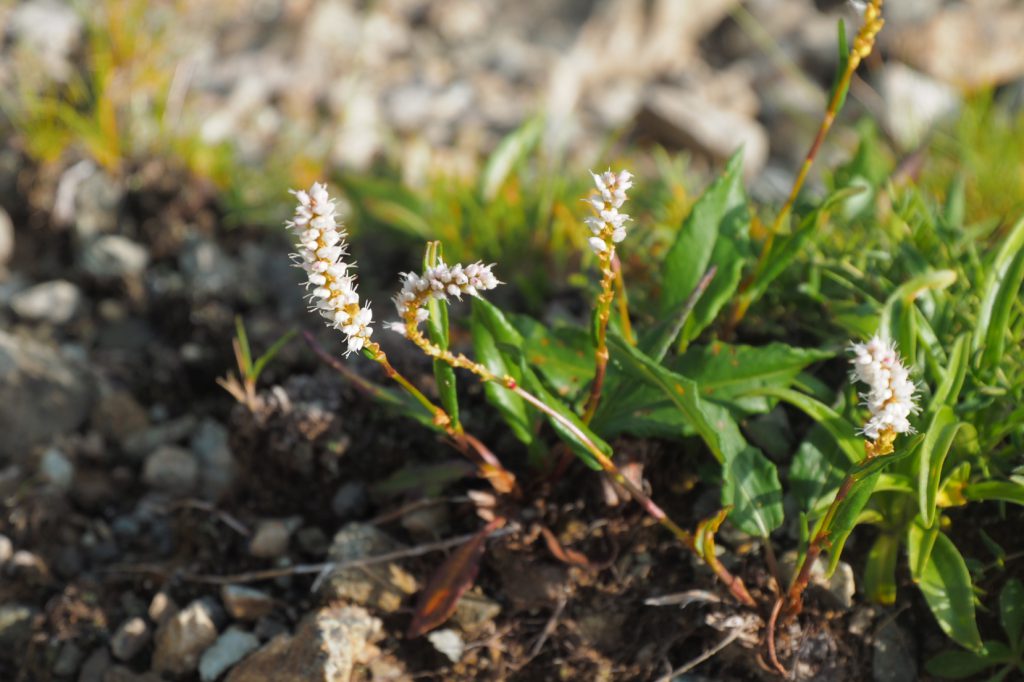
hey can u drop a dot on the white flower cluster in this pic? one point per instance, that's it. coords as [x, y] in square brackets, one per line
[440, 281]
[890, 395]
[321, 253]
[607, 224]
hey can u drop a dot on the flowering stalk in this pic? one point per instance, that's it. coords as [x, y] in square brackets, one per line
[890, 399]
[443, 281]
[321, 252]
[863, 44]
[608, 227]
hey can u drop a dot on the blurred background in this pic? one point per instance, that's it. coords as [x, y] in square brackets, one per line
[146, 147]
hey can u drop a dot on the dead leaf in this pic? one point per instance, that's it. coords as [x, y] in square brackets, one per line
[451, 580]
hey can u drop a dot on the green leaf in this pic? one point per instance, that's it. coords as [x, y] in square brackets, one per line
[880, 570]
[938, 439]
[729, 373]
[437, 330]
[952, 382]
[986, 334]
[751, 480]
[564, 356]
[946, 585]
[847, 517]
[534, 385]
[512, 149]
[275, 348]
[957, 665]
[898, 318]
[1003, 491]
[1011, 611]
[388, 202]
[840, 429]
[243, 346]
[660, 340]
[682, 392]
[1007, 294]
[787, 247]
[817, 468]
[485, 321]
[844, 60]
[752, 487]
[712, 234]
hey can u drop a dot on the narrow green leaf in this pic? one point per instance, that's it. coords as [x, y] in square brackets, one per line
[1011, 611]
[275, 348]
[844, 60]
[1007, 294]
[1003, 491]
[243, 345]
[437, 330]
[843, 431]
[946, 585]
[984, 330]
[880, 570]
[897, 320]
[483, 323]
[938, 439]
[952, 382]
[534, 385]
[664, 335]
[512, 149]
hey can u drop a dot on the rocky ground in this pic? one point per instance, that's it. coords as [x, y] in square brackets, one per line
[154, 529]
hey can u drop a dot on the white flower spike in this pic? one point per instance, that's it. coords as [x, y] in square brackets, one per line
[607, 224]
[440, 281]
[890, 394]
[321, 253]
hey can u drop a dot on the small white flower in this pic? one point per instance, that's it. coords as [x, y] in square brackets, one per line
[321, 251]
[440, 282]
[891, 394]
[607, 224]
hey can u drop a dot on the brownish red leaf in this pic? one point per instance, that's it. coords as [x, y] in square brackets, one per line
[451, 580]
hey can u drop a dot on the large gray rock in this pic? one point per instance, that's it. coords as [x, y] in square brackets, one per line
[326, 648]
[43, 392]
[184, 637]
[55, 302]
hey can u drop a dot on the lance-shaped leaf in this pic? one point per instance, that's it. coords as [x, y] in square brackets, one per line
[938, 439]
[751, 480]
[945, 583]
[488, 327]
[1001, 283]
[842, 430]
[716, 232]
[456, 575]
